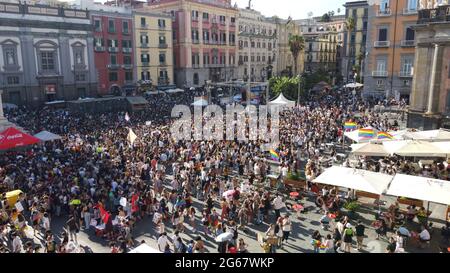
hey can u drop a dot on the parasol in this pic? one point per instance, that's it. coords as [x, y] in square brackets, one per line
[224, 237]
[297, 207]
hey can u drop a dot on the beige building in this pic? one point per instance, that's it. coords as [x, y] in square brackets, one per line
[153, 48]
[257, 40]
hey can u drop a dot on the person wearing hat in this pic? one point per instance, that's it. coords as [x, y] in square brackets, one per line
[348, 238]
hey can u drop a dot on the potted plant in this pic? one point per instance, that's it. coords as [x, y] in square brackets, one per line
[351, 207]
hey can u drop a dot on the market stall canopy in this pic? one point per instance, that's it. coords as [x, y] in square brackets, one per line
[361, 180]
[354, 85]
[281, 100]
[421, 188]
[12, 138]
[144, 248]
[200, 102]
[441, 134]
[47, 136]
[370, 149]
[420, 149]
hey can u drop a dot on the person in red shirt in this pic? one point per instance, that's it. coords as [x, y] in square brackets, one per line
[232, 249]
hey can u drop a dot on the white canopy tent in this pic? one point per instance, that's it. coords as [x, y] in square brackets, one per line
[420, 149]
[144, 248]
[421, 188]
[47, 136]
[200, 102]
[361, 180]
[436, 135]
[281, 100]
[370, 149]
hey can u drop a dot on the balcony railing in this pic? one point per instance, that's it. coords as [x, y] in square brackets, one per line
[408, 11]
[127, 66]
[162, 64]
[379, 73]
[145, 63]
[113, 66]
[384, 13]
[439, 14]
[111, 30]
[113, 49]
[382, 44]
[99, 48]
[408, 43]
[405, 74]
[145, 45]
[127, 50]
[195, 41]
[163, 81]
[162, 45]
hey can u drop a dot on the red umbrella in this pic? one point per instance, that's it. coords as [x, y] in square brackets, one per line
[294, 194]
[297, 207]
[12, 138]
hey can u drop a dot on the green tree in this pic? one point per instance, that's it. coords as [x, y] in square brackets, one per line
[287, 86]
[296, 45]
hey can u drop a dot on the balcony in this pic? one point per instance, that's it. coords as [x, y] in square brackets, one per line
[162, 64]
[112, 30]
[161, 27]
[384, 13]
[405, 74]
[99, 48]
[382, 44]
[379, 74]
[145, 64]
[163, 45]
[206, 42]
[127, 50]
[113, 49]
[408, 11]
[195, 41]
[144, 45]
[408, 43]
[126, 32]
[127, 66]
[113, 66]
[163, 81]
[439, 14]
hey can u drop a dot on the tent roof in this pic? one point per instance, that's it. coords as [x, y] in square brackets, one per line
[12, 138]
[371, 149]
[144, 248]
[441, 134]
[420, 188]
[361, 180]
[137, 100]
[420, 148]
[282, 100]
[47, 136]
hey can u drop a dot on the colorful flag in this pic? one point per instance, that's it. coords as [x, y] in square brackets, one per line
[134, 203]
[366, 133]
[350, 126]
[104, 214]
[384, 135]
[127, 117]
[275, 156]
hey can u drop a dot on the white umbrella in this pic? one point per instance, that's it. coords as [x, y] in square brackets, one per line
[420, 149]
[224, 237]
[370, 149]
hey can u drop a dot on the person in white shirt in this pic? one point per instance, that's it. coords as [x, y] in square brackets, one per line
[277, 205]
[286, 227]
[16, 244]
[424, 236]
[329, 245]
[163, 242]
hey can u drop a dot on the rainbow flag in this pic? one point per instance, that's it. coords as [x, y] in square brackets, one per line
[366, 133]
[275, 156]
[384, 135]
[350, 126]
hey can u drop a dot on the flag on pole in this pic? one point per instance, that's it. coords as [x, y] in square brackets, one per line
[127, 117]
[350, 126]
[131, 136]
[366, 133]
[384, 135]
[275, 156]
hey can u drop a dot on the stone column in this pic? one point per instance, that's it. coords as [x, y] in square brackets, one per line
[433, 79]
[1, 106]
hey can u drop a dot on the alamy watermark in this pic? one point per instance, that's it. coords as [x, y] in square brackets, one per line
[237, 124]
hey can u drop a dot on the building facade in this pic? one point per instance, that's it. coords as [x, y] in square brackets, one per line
[205, 39]
[354, 49]
[46, 54]
[430, 97]
[285, 61]
[390, 46]
[257, 41]
[153, 49]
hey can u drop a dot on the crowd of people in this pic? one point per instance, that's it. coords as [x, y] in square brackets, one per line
[98, 182]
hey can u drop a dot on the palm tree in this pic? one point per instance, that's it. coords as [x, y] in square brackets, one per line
[350, 25]
[296, 45]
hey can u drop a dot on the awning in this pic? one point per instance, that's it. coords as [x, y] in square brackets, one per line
[370, 149]
[421, 188]
[361, 180]
[47, 136]
[144, 248]
[12, 138]
[420, 149]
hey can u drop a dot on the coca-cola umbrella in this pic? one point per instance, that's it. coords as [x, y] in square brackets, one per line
[12, 138]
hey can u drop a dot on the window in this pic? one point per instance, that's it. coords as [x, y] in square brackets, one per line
[206, 36]
[382, 34]
[80, 77]
[127, 59]
[10, 55]
[366, 13]
[354, 13]
[412, 5]
[174, 35]
[196, 79]
[253, 44]
[128, 76]
[407, 64]
[380, 82]
[232, 20]
[78, 56]
[143, 22]
[194, 15]
[145, 75]
[47, 61]
[381, 65]
[195, 35]
[113, 76]
[205, 58]
[144, 39]
[13, 80]
[161, 23]
[145, 58]
[126, 44]
[111, 26]
[97, 25]
[205, 16]
[113, 59]
[162, 58]
[410, 34]
[125, 29]
[99, 42]
[364, 25]
[384, 6]
[113, 43]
